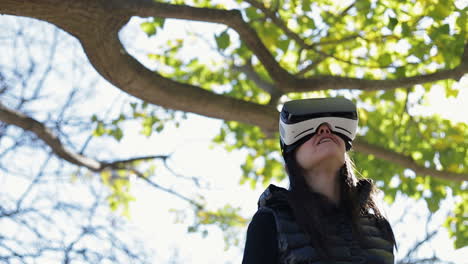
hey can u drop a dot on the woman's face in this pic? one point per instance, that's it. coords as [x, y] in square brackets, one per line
[323, 147]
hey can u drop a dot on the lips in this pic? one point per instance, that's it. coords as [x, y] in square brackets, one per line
[325, 139]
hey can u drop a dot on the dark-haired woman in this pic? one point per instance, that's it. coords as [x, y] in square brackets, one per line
[327, 215]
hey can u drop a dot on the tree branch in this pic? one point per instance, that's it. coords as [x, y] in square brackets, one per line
[294, 36]
[13, 117]
[428, 237]
[249, 71]
[335, 82]
[99, 38]
[100, 42]
[278, 22]
[310, 67]
[231, 18]
[197, 205]
[121, 164]
[40, 130]
[96, 24]
[29, 124]
[405, 161]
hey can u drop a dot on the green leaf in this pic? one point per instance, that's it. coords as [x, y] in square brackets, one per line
[117, 133]
[440, 11]
[159, 22]
[444, 29]
[283, 44]
[306, 5]
[400, 72]
[420, 51]
[363, 5]
[100, 130]
[147, 130]
[222, 40]
[405, 30]
[450, 91]
[392, 23]
[385, 59]
[148, 28]
[388, 95]
[416, 155]
[252, 13]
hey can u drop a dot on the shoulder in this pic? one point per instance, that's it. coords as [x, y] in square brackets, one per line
[262, 227]
[388, 231]
[364, 189]
[261, 241]
[273, 197]
[384, 226]
[263, 220]
[262, 232]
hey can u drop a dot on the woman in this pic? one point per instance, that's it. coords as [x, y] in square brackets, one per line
[327, 215]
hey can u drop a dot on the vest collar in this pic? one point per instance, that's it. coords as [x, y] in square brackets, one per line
[277, 196]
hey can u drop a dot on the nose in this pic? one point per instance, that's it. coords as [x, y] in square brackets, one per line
[324, 129]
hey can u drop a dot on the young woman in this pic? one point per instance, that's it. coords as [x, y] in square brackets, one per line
[327, 215]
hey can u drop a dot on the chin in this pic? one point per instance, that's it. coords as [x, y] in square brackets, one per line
[310, 157]
[330, 158]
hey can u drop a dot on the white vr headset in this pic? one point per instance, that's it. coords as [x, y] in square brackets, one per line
[299, 120]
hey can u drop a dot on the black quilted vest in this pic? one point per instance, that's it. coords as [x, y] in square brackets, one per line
[294, 246]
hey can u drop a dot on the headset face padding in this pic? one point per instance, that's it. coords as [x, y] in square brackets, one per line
[299, 120]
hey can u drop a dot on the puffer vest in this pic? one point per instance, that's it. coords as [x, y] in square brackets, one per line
[295, 247]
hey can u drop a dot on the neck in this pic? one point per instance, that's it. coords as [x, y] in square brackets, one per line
[324, 181]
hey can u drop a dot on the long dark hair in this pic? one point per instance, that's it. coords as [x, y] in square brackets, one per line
[307, 205]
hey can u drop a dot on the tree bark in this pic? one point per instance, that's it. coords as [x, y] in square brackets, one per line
[96, 23]
[12, 117]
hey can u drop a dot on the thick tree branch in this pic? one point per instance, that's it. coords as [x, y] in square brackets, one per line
[405, 161]
[96, 24]
[132, 77]
[335, 82]
[99, 38]
[45, 134]
[231, 18]
[13, 117]
[317, 83]
[98, 33]
[40, 130]
[29, 124]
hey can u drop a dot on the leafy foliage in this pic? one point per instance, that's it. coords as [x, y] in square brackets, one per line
[362, 39]
[457, 222]
[227, 218]
[153, 119]
[119, 184]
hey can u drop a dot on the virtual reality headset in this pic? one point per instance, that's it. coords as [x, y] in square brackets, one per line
[299, 120]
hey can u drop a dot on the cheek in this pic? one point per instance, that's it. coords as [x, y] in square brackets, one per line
[342, 152]
[341, 144]
[304, 155]
[343, 148]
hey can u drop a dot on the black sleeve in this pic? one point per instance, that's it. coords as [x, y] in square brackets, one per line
[261, 244]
